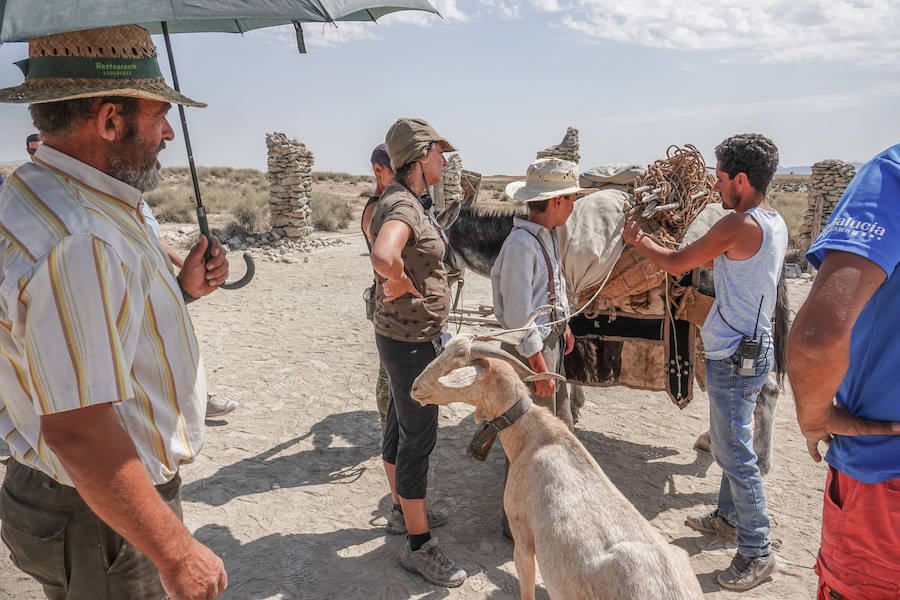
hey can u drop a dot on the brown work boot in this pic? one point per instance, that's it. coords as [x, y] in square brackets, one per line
[713, 523]
[745, 572]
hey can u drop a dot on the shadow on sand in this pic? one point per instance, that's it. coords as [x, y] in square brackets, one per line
[322, 464]
[322, 565]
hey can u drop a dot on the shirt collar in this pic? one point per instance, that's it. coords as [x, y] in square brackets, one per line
[531, 226]
[87, 175]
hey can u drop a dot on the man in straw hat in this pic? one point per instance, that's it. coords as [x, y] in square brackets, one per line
[527, 275]
[103, 391]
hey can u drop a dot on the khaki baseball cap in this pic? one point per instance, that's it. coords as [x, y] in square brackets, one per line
[408, 139]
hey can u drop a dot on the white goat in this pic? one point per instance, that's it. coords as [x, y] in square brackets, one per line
[590, 542]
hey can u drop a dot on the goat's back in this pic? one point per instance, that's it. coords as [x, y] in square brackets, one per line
[588, 538]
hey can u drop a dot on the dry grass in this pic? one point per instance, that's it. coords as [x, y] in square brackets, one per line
[243, 192]
[792, 208]
[330, 213]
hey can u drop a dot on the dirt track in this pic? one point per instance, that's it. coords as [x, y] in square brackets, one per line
[289, 489]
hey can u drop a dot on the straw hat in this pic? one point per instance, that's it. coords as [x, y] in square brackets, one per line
[109, 61]
[408, 140]
[546, 178]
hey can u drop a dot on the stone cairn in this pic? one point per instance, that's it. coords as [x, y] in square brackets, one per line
[451, 182]
[566, 150]
[290, 186]
[828, 181]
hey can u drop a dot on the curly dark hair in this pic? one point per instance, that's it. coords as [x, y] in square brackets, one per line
[60, 117]
[750, 153]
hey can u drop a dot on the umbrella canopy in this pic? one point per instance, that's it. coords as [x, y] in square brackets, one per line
[25, 19]
[21, 20]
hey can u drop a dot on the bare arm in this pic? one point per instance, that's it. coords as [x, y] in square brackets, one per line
[173, 255]
[724, 236]
[367, 220]
[104, 466]
[387, 259]
[819, 348]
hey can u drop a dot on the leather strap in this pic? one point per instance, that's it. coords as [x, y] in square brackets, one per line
[487, 431]
[552, 281]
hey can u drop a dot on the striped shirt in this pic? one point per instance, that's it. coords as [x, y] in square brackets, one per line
[91, 313]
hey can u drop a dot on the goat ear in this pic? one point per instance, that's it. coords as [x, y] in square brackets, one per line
[461, 377]
[539, 376]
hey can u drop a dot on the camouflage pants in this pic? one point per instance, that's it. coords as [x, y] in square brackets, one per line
[382, 394]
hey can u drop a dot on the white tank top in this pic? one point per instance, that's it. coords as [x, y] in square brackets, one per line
[746, 290]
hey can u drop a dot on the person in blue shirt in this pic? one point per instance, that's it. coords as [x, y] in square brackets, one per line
[843, 363]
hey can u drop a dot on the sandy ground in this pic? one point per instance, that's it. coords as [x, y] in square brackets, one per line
[290, 491]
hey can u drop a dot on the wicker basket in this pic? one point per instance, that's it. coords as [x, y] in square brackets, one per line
[694, 306]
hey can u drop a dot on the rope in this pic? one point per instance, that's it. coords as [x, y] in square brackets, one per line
[671, 194]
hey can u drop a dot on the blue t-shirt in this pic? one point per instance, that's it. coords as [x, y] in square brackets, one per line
[866, 222]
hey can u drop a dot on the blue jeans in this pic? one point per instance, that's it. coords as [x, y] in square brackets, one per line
[732, 398]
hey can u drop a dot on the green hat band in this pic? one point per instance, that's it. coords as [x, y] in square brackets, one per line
[80, 67]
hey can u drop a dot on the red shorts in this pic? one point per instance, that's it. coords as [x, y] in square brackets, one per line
[860, 554]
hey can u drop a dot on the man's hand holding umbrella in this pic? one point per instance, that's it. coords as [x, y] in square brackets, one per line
[198, 276]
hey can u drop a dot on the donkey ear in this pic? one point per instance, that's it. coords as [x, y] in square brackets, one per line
[461, 377]
[539, 376]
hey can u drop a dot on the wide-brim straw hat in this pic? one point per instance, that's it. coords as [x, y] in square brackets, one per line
[408, 140]
[109, 61]
[547, 178]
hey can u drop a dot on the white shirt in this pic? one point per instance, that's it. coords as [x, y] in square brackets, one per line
[520, 282]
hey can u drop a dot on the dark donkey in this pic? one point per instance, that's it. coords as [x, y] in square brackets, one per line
[476, 238]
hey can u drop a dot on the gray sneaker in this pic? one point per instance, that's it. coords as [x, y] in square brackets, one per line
[396, 523]
[430, 562]
[745, 573]
[218, 407]
[713, 523]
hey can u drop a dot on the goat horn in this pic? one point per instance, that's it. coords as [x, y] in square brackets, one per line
[488, 351]
[515, 336]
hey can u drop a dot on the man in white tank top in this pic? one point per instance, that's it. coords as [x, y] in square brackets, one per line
[747, 249]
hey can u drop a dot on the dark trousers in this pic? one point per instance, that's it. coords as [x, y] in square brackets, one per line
[53, 536]
[411, 428]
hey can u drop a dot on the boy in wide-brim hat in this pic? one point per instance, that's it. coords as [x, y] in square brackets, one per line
[103, 392]
[527, 274]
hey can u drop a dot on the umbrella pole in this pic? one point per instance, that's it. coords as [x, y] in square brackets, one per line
[184, 127]
[201, 210]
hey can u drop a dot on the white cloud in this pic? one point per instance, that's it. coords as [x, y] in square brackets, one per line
[819, 103]
[863, 31]
[507, 9]
[547, 5]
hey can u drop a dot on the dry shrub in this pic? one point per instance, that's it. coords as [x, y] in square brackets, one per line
[172, 203]
[252, 215]
[330, 214]
[223, 189]
[792, 208]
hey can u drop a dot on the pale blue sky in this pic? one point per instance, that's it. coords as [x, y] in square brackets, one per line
[504, 79]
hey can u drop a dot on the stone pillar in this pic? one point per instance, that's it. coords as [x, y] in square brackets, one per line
[451, 182]
[290, 185]
[828, 181]
[566, 150]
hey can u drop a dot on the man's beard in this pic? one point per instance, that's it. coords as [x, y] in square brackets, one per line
[134, 162]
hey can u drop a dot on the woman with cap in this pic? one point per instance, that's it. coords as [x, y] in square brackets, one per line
[412, 304]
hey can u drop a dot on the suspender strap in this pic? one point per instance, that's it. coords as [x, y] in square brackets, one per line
[552, 281]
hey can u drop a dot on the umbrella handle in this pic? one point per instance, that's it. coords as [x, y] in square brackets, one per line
[248, 258]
